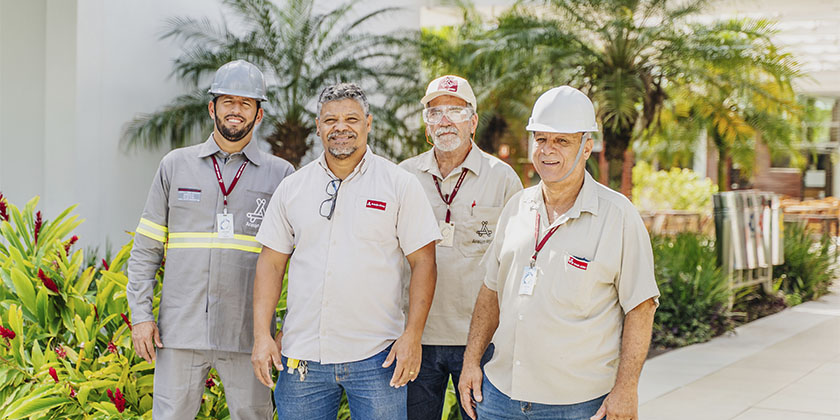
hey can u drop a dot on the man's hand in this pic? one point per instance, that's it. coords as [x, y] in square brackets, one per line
[266, 353]
[470, 388]
[408, 353]
[622, 403]
[146, 336]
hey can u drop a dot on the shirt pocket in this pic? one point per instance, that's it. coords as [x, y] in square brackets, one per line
[574, 283]
[373, 218]
[475, 234]
[256, 202]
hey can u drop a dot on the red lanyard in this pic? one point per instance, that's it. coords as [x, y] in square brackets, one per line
[228, 190]
[538, 244]
[449, 197]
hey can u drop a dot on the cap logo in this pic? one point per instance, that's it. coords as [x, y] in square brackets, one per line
[449, 84]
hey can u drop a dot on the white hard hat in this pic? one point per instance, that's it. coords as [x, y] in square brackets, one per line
[450, 85]
[563, 109]
[239, 78]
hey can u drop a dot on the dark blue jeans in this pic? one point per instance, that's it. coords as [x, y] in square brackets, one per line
[427, 393]
[497, 406]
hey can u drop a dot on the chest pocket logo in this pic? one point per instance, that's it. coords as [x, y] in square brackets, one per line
[484, 231]
[255, 217]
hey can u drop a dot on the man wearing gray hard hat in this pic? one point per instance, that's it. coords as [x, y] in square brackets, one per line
[569, 291]
[203, 210]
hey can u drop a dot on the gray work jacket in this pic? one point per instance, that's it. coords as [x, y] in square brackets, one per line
[207, 296]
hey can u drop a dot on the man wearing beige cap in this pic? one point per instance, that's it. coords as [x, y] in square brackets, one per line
[467, 188]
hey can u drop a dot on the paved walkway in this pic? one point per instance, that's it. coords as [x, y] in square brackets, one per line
[784, 366]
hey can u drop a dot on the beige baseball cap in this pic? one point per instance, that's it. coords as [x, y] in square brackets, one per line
[450, 85]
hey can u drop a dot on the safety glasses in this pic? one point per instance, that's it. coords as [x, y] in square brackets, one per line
[328, 205]
[455, 114]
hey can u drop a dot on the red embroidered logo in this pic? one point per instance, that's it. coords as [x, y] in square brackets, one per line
[449, 84]
[578, 263]
[373, 204]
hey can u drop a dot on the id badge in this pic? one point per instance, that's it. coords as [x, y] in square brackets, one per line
[447, 230]
[224, 223]
[529, 279]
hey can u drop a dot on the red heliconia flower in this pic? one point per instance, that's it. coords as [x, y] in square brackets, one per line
[112, 348]
[95, 312]
[72, 391]
[117, 399]
[60, 352]
[54, 374]
[4, 212]
[69, 244]
[209, 383]
[48, 282]
[105, 265]
[127, 322]
[7, 333]
[38, 223]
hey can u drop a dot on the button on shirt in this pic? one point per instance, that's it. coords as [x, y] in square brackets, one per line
[489, 183]
[344, 274]
[561, 344]
[207, 292]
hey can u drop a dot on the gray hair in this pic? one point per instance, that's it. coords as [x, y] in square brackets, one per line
[341, 91]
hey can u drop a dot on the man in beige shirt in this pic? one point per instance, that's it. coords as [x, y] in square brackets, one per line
[569, 290]
[467, 188]
[346, 224]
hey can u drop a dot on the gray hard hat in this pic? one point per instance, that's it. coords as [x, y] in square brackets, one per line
[239, 78]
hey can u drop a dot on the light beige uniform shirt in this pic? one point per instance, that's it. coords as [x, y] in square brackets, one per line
[489, 183]
[561, 344]
[344, 274]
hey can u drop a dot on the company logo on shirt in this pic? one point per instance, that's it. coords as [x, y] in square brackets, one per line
[578, 263]
[373, 204]
[449, 84]
[484, 231]
[255, 217]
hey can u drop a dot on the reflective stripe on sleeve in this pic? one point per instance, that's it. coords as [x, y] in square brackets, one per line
[182, 240]
[152, 230]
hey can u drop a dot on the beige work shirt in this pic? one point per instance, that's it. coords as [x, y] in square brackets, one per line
[475, 210]
[561, 344]
[344, 274]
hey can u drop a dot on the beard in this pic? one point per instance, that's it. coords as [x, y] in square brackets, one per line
[342, 152]
[234, 135]
[446, 139]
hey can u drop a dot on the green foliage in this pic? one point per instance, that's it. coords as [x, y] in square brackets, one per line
[676, 189]
[809, 267]
[694, 292]
[77, 332]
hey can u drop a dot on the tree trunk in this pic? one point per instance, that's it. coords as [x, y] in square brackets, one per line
[627, 174]
[290, 140]
[603, 167]
[723, 169]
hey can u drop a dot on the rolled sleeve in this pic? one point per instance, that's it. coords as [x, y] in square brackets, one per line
[416, 223]
[276, 232]
[636, 281]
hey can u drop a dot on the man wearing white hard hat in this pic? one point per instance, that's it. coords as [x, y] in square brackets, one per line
[467, 188]
[569, 293]
[203, 211]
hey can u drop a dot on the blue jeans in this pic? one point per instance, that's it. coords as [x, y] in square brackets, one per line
[497, 406]
[318, 396]
[426, 394]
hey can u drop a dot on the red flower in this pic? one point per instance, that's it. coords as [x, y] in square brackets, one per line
[54, 374]
[112, 348]
[59, 351]
[4, 212]
[105, 264]
[38, 223]
[127, 322]
[7, 333]
[48, 282]
[117, 399]
[72, 391]
[69, 244]
[209, 383]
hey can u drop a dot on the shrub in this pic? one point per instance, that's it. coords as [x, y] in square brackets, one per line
[677, 189]
[809, 267]
[694, 292]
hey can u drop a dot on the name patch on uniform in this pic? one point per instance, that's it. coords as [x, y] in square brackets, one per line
[578, 262]
[189, 194]
[373, 204]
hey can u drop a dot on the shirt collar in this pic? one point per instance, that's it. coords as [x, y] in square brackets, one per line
[472, 162]
[586, 200]
[361, 168]
[251, 150]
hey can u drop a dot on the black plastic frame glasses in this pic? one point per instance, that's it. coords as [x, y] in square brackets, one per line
[332, 192]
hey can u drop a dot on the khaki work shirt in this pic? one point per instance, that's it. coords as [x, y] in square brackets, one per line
[488, 185]
[344, 274]
[561, 344]
[207, 297]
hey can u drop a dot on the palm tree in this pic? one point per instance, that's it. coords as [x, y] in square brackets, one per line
[300, 51]
[629, 55]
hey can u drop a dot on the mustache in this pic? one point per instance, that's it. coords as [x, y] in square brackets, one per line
[446, 130]
[335, 134]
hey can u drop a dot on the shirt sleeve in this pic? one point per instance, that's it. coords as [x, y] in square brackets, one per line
[416, 223]
[276, 231]
[148, 249]
[636, 280]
